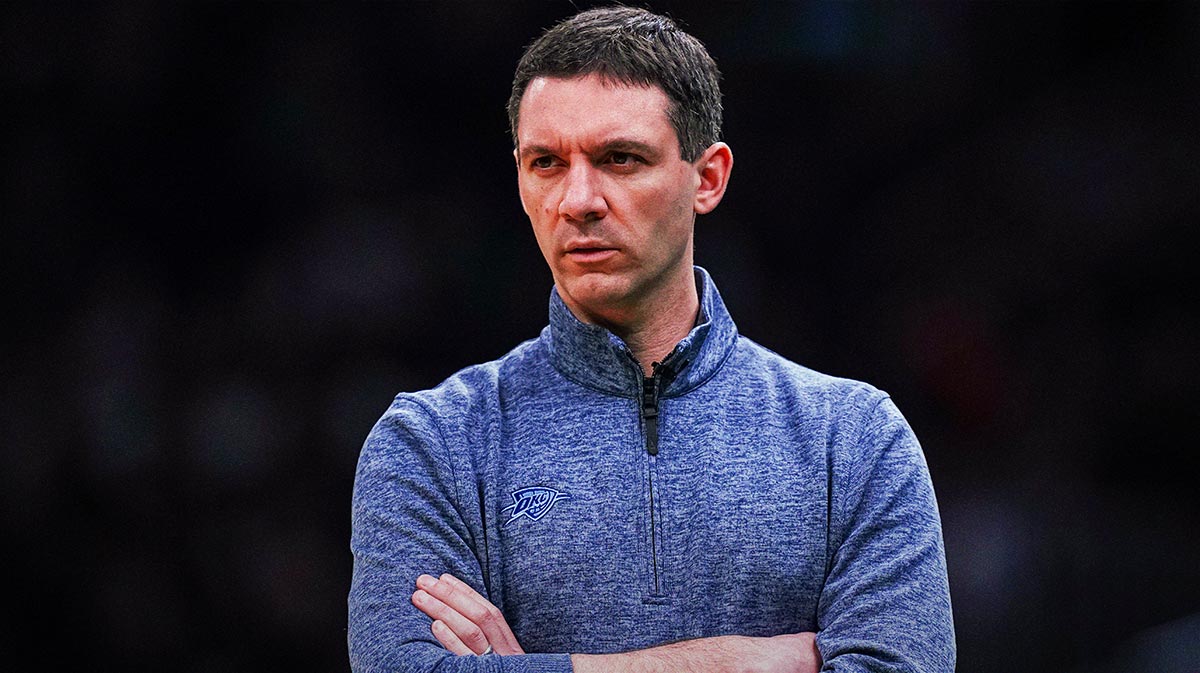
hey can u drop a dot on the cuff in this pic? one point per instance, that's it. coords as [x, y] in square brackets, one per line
[536, 663]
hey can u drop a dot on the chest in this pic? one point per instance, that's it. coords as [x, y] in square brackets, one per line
[596, 545]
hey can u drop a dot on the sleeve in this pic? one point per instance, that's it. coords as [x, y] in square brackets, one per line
[406, 519]
[885, 605]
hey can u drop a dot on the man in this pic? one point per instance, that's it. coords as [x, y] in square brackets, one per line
[640, 488]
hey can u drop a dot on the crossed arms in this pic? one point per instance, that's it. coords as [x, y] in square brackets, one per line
[466, 623]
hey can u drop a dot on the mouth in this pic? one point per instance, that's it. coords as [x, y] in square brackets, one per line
[589, 254]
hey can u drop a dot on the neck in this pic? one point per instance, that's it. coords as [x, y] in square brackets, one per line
[658, 322]
[655, 340]
[666, 325]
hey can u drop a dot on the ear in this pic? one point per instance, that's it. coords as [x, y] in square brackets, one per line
[713, 168]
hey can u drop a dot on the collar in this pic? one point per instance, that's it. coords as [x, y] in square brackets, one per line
[595, 357]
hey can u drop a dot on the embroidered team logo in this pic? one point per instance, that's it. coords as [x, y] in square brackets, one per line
[533, 502]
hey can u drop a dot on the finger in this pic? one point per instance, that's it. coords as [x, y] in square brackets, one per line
[448, 639]
[490, 619]
[461, 598]
[459, 595]
[467, 631]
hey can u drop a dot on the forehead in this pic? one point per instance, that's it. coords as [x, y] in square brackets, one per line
[567, 111]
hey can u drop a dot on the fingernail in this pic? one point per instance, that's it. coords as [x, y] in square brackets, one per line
[438, 625]
[426, 581]
[419, 596]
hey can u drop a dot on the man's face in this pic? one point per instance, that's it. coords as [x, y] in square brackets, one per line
[610, 199]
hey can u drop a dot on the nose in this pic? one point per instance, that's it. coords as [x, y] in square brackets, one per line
[582, 196]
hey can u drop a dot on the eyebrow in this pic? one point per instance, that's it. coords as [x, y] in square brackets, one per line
[614, 145]
[629, 146]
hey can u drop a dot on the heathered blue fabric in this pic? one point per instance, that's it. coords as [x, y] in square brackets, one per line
[783, 501]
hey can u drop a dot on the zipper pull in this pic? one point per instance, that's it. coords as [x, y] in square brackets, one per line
[660, 372]
[650, 411]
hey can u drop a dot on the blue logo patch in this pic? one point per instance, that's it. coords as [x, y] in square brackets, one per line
[533, 502]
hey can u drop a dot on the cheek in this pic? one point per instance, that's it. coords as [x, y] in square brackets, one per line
[540, 219]
[537, 201]
[528, 200]
[671, 206]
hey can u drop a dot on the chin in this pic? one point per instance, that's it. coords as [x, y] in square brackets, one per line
[596, 292]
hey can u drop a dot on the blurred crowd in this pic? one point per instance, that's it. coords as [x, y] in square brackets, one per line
[234, 232]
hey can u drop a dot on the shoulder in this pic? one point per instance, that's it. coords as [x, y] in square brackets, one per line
[856, 422]
[465, 400]
[835, 397]
[478, 387]
[867, 439]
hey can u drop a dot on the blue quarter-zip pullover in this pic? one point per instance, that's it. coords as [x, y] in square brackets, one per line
[734, 492]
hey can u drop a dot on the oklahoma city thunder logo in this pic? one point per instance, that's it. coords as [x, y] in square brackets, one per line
[533, 502]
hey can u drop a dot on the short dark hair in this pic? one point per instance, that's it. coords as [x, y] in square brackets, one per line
[635, 47]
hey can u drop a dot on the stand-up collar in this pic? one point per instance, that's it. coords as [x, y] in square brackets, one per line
[595, 357]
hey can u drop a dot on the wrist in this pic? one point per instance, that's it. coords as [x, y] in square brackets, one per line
[702, 655]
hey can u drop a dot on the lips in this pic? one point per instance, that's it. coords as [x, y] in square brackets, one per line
[588, 245]
[587, 252]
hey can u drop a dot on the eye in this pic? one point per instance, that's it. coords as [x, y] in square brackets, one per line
[624, 162]
[542, 162]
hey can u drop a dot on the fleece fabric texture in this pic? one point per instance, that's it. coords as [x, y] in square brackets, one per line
[780, 500]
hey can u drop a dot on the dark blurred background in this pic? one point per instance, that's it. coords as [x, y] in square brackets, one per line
[231, 233]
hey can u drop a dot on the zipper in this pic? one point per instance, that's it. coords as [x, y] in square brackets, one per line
[651, 387]
[650, 426]
[650, 409]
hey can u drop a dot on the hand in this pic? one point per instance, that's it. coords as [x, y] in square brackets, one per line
[463, 621]
[791, 653]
